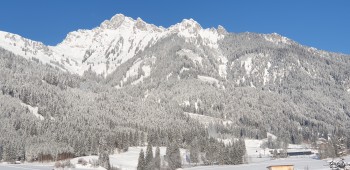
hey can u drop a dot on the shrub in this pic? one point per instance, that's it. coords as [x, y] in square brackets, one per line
[65, 164]
[68, 164]
[58, 165]
[94, 163]
[82, 161]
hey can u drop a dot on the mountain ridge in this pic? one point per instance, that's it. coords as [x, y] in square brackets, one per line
[73, 53]
[119, 38]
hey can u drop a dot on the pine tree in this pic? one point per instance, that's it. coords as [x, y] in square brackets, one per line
[157, 160]
[1, 151]
[173, 156]
[224, 155]
[142, 140]
[9, 153]
[275, 154]
[104, 160]
[241, 150]
[103, 157]
[194, 151]
[141, 163]
[149, 157]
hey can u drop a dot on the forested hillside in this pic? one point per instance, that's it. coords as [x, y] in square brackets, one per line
[80, 115]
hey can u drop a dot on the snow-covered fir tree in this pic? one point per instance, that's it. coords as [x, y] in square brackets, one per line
[149, 158]
[157, 159]
[194, 151]
[141, 165]
[173, 156]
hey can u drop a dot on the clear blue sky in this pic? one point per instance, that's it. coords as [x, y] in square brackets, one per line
[324, 24]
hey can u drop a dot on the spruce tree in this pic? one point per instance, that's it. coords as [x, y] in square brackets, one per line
[194, 151]
[142, 140]
[157, 160]
[103, 157]
[173, 156]
[149, 157]
[104, 160]
[141, 163]
[9, 154]
[1, 152]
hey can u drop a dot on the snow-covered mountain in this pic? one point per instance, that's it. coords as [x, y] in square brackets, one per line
[214, 55]
[106, 47]
[177, 80]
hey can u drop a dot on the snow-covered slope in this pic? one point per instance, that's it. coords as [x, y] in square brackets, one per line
[27, 48]
[106, 47]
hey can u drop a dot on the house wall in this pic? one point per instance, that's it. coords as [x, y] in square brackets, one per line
[281, 168]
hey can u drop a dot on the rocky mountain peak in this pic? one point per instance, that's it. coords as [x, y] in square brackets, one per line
[189, 25]
[221, 30]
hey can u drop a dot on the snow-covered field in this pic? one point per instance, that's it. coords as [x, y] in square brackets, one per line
[28, 166]
[300, 163]
[127, 160]
[257, 159]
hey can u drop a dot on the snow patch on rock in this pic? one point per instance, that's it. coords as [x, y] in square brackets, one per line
[169, 75]
[184, 69]
[192, 31]
[266, 77]
[277, 39]
[223, 66]
[147, 72]
[247, 63]
[133, 70]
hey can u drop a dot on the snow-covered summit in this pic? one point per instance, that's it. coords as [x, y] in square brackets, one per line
[109, 45]
[277, 38]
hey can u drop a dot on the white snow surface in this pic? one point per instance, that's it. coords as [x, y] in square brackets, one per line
[33, 110]
[299, 163]
[266, 73]
[169, 75]
[184, 69]
[276, 38]
[222, 70]
[206, 120]
[147, 70]
[247, 63]
[209, 80]
[109, 45]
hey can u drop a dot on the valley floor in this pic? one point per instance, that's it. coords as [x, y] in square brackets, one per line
[125, 162]
[5, 166]
[300, 163]
[258, 159]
